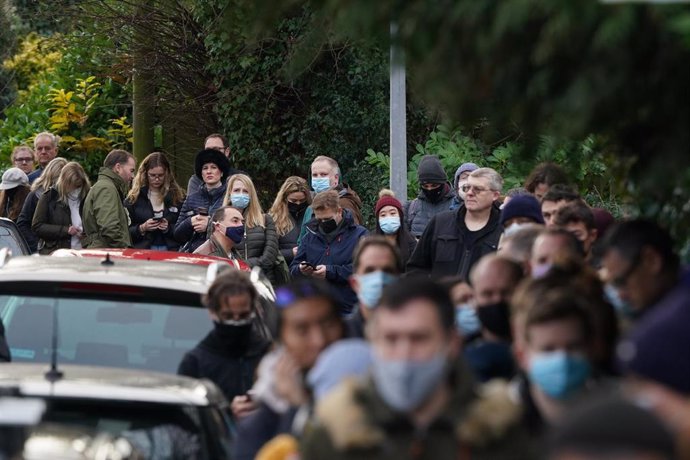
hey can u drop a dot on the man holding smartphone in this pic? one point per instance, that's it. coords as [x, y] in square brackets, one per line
[326, 250]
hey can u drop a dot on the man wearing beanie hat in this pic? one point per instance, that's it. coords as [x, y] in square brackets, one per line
[14, 189]
[435, 195]
[455, 240]
[523, 209]
[461, 175]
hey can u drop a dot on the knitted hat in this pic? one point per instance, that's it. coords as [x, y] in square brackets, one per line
[431, 171]
[387, 198]
[344, 358]
[13, 177]
[465, 167]
[211, 156]
[522, 206]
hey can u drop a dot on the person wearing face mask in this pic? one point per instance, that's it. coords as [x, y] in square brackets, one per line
[376, 264]
[326, 250]
[460, 179]
[232, 350]
[489, 353]
[57, 220]
[462, 296]
[555, 356]
[228, 232]
[419, 400]
[389, 223]
[288, 212]
[435, 195]
[520, 211]
[260, 245]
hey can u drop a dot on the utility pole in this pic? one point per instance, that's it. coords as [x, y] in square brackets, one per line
[398, 122]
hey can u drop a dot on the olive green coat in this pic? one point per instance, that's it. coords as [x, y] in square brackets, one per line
[105, 219]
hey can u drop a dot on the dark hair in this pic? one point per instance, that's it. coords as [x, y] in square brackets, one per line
[556, 304]
[574, 213]
[222, 138]
[398, 294]
[304, 288]
[228, 283]
[545, 173]
[574, 245]
[116, 157]
[629, 237]
[326, 200]
[561, 192]
[381, 241]
[219, 214]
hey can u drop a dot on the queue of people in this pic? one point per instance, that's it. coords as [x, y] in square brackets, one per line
[468, 324]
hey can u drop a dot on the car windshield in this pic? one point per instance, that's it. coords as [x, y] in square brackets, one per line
[111, 333]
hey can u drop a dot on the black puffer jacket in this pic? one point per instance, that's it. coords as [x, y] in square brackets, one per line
[141, 210]
[26, 217]
[232, 372]
[289, 240]
[260, 247]
[51, 221]
[419, 211]
[442, 250]
[184, 232]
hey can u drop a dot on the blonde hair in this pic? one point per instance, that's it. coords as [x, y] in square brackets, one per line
[141, 179]
[72, 175]
[253, 215]
[50, 174]
[18, 149]
[279, 211]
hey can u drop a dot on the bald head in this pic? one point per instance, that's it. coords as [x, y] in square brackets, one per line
[494, 279]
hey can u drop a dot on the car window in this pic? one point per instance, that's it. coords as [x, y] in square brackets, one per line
[9, 240]
[108, 333]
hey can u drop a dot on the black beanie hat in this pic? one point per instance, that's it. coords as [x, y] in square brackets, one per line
[430, 171]
[211, 156]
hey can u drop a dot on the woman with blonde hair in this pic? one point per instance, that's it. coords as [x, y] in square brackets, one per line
[154, 204]
[260, 245]
[287, 212]
[57, 221]
[44, 182]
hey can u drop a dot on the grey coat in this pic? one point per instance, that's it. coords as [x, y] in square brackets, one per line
[419, 211]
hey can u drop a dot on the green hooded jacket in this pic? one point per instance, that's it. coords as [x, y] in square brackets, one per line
[105, 219]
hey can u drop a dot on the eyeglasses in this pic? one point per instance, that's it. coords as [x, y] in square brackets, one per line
[475, 189]
[23, 160]
[621, 280]
[156, 176]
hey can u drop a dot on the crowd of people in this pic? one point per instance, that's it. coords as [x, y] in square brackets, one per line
[468, 322]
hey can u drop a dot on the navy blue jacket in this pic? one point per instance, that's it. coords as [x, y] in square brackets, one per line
[336, 256]
[184, 232]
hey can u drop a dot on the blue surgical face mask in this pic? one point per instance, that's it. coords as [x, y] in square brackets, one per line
[466, 320]
[405, 385]
[559, 374]
[239, 200]
[320, 184]
[236, 234]
[389, 225]
[371, 286]
[622, 307]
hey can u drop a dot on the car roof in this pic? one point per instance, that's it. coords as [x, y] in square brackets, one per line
[122, 272]
[153, 255]
[92, 382]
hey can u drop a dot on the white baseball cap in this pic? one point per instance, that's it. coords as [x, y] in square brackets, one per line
[13, 177]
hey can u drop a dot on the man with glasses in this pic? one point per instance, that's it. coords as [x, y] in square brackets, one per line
[230, 353]
[644, 270]
[45, 148]
[454, 241]
[23, 158]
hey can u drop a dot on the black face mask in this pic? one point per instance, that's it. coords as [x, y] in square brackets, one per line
[496, 319]
[296, 208]
[434, 194]
[235, 339]
[328, 226]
